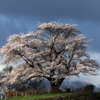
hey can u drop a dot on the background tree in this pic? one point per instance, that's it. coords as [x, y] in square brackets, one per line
[5, 87]
[4, 74]
[7, 70]
[31, 84]
[56, 51]
[89, 88]
[36, 84]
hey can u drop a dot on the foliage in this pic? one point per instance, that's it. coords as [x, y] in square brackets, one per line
[7, 69]
[4, 87]
[55, 52]
[89, 88]
[35, 84]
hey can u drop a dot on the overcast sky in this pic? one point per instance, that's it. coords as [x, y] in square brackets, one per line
[17, 16]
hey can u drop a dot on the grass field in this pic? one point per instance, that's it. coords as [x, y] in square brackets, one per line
[32, 97]
[61, 96]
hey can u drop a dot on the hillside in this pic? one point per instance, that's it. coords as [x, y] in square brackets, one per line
[61, 96]
[78, 84]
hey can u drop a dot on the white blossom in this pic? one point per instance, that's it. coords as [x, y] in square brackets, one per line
[56, 51]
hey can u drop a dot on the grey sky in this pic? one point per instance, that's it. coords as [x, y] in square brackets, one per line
[78, 9]
[23, 15]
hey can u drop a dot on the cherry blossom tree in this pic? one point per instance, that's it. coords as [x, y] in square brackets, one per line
[55, 52]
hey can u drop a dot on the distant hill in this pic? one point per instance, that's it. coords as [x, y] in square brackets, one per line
[78, 84]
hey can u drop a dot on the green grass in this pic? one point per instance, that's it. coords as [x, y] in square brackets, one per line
[58, 96]
[36, 96]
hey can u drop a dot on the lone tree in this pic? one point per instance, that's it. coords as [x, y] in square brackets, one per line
[55, 52]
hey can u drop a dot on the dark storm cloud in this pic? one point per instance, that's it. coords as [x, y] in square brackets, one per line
[10, 25]
[48, 9]
[23, 15]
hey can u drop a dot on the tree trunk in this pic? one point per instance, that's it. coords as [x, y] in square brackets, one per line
[54, 88]
[9, 88]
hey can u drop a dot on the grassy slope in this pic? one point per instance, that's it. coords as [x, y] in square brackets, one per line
[37, 96]
[61, 96]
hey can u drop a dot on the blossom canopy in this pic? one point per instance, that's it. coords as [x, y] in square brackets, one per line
[56, 51]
